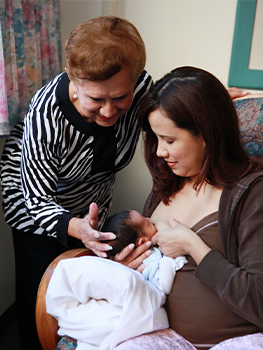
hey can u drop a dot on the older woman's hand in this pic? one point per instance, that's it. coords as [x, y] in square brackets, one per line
[180, 240]
[92, 238]
[133, 257]
[86, 230]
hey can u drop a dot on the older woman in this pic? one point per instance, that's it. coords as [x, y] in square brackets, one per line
[81, 128]
[212, 193]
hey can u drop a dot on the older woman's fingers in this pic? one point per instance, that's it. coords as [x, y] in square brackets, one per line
[105, 236]
[99, 253]
[98, 246]
[93, 215]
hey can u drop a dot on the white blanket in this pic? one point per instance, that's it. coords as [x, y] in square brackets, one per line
[101, 303]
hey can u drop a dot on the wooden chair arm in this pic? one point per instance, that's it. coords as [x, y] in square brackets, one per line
[47, 325]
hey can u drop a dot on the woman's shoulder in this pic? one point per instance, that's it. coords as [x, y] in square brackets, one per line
[249, 179]
[232, 196]
[144, 81]
[43, 96]
[244, 183]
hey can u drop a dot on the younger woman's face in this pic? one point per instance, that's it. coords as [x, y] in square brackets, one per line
[182, 151]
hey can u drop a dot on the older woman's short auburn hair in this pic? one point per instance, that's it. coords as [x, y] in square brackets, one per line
[195, 100]
[99, 48]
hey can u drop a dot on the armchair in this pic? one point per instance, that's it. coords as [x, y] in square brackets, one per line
[47, 325]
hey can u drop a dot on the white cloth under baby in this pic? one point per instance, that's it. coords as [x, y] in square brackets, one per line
[101, 303]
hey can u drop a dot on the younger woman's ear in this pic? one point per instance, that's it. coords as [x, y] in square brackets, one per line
[141, 240]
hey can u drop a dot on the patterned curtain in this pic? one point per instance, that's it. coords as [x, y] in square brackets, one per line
[30, 54]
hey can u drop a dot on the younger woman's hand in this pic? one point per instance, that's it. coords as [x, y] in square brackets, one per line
[133, 257]
[180, 240]
[173, 241]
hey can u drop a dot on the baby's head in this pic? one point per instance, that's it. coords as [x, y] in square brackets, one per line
[129, 227]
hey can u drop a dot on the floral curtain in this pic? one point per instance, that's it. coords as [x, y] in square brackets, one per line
[30, 54]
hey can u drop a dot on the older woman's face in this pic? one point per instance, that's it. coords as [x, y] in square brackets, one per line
[182, 151]
[104, 102]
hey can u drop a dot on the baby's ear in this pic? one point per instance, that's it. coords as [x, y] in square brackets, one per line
[141, 240]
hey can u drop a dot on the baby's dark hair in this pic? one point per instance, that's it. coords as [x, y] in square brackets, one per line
[125, 230]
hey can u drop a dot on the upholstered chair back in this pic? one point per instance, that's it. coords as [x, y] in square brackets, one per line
[250, 113]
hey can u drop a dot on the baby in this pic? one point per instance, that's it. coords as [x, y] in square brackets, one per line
[132, 227]
[123, 303]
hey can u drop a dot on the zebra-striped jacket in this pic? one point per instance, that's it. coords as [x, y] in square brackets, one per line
[54, 163]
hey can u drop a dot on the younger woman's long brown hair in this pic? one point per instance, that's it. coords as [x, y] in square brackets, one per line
[195, 100]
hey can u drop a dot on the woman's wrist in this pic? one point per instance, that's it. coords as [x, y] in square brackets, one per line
[74, 227]
[197, 248]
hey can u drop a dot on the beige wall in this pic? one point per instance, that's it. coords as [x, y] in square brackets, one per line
[176, 33]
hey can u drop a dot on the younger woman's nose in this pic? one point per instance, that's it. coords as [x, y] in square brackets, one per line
[161, 151]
